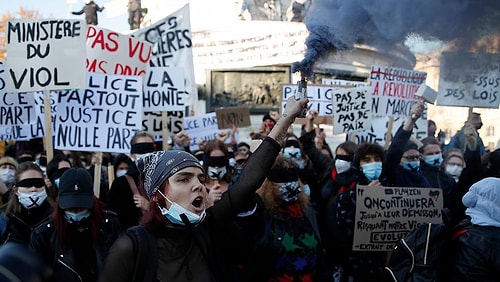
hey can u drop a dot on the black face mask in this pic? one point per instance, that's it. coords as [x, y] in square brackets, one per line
[60, 172]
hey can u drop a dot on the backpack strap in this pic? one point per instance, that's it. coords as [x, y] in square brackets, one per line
[146, 253]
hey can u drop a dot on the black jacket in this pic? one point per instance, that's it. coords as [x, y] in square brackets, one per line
[195, 253]
[438, 178]
[121, 201]
[477, 254]
[45, 241]
[20, 226]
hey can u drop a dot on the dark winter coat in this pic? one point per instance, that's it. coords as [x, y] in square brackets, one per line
[196, 253]
[20, 226]
[45, 241]
[477, 254]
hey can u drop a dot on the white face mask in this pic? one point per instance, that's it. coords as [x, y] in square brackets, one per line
[342, 166]
[121, 172]
[216, 173]
[32, 199]
[174, 213]
[7, 176]
[454, 170]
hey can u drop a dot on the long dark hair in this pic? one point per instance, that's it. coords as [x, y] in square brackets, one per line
[96, 221]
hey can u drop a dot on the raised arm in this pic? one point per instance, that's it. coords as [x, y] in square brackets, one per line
[240, 195]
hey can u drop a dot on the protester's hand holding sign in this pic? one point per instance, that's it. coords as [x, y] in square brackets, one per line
[470, 136]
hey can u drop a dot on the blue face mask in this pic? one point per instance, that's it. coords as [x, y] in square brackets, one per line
[434, 160]
[372, 171]
[72, 217]
[411, 166]
[56, 182]
[174, 213]
[292, 153]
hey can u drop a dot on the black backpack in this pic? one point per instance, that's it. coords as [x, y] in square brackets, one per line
[146, 253]
[422, 255]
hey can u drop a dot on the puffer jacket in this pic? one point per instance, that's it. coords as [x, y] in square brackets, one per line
[45, 241]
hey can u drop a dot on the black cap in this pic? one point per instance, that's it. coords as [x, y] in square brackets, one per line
[76, 189]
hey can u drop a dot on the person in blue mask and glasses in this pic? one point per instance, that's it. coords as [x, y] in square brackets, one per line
[402, 163]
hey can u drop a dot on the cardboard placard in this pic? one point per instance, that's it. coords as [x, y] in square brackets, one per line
[103, 117]
[202, 127]
[393, 90]
[110, 52]
[173, 46]
[45, 54]
[352, 109]
[164, 89]
[226, 117]
[469, 80]
[386, 214]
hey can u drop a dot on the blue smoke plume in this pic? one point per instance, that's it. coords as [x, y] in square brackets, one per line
[336, 25]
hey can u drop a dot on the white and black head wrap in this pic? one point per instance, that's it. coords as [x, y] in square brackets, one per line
[158, 166]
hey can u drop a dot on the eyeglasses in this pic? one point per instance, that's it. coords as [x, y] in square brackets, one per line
[412, 158]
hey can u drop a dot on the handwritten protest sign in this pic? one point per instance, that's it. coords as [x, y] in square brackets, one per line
[202, 127]
[172, 46]
[342, 82]
[102, 117]
[164, 89]
[153, 124]
[379, 126]
[110, 52]
[394, 90]
[15, 108]
[352, 109]
[14, 132]
[320, 97]
[45, 54]
[226, 117]
[469, 80]
[386, 214]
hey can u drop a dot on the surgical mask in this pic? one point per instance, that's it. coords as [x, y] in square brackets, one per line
[292, 153]
[434, 160]
[307, 189]
[72, 217]
[342, 166]
[454, 170]
[232, 162]
[56, 182]
[121, 172]
[216, 172]
[372, 170]
[290, 191]
[411, 166]
[174, 213]
[32, 199]
[8, 176]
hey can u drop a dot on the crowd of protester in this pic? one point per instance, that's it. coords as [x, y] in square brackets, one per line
[229, 212]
